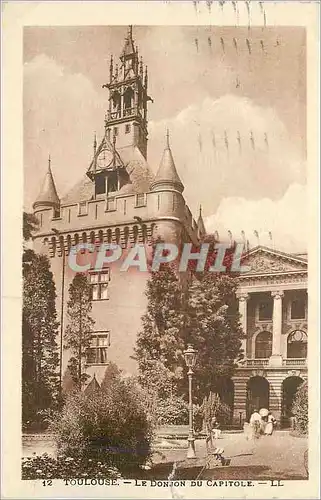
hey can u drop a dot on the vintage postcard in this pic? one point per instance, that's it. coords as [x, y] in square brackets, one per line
[160, 334]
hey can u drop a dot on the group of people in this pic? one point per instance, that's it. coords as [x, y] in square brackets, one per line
[262, 422]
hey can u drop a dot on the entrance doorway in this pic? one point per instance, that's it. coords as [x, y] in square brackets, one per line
[257, 397]
[290, 386]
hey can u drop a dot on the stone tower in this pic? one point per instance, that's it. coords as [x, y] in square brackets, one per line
[118, 200]
[127, 114]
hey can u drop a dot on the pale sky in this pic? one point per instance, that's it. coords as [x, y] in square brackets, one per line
[234, 100]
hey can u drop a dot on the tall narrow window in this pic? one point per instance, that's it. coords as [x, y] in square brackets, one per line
[265, 310]
[99, 285]
[110, 204]
[100, 183]
[112, 183]
[97, 352]
[298, 309]
[263, 345]
[140, 200]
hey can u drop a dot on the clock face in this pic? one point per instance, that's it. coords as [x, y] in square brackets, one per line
[104, 159]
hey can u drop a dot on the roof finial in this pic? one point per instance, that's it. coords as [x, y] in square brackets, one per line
[95, 143]
[49, 162]
[130, 31]
[167, 138]
[111, 68]
[200, 210]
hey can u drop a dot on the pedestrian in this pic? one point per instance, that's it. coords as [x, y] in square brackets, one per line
[216, 428]
[271, 421]
[256, 424]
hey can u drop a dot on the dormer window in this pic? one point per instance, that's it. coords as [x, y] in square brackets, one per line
[112, 182]
[100, 183]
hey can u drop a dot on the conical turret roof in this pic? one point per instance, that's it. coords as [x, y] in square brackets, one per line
[167, 173]
[48, 194]
[93, 386]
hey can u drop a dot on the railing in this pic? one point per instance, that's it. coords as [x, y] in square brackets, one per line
[257, 362]
[112, 115]
[294, 362]
[129, 111]
[260, 362]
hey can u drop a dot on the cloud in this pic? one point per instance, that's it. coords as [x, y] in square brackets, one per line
[226, 175]
[284, 218]
[204, 138]
[61, 111]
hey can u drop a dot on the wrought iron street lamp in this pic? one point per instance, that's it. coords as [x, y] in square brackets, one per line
[190, 360]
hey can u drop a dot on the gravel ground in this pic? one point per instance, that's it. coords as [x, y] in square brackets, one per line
[280, 456]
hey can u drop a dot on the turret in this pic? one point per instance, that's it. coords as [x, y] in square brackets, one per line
[128, 98]
[48, 196]
[167, 176]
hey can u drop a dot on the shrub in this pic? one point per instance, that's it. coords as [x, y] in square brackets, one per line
[62, 467]
[172, 411]
[300, 409]
[211, 407]
[110, 425]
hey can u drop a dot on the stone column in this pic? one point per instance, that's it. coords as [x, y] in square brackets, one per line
[276, 358]
[243, 298]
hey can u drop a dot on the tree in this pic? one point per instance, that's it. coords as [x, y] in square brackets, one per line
[39, 331]
[200, 308]
[159, 348]
[79, 329]
[300, 409]
[214, 330]
[30, 224]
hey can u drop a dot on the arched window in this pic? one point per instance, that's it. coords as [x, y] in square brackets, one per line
[263, 345]
[128, 98]
[297, 344]
[116, 102]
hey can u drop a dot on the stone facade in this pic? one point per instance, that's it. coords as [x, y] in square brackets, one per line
[274, 307]
[118, 200]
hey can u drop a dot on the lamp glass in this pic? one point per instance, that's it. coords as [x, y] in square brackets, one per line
[190, 356]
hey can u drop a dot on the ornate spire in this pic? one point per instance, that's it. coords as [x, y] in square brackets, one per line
[48, 196]
[167, 175]
[129, 48]
[111, 68]
[201, 231]
[146, 77]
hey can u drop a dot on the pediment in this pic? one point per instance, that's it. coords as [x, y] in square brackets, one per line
[262, 260]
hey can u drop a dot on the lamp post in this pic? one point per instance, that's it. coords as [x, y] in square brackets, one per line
[56, 232]
[190, 360]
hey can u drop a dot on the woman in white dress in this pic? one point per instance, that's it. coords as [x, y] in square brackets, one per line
[268, 431]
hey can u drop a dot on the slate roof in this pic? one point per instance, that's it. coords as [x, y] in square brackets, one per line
[130, 157]
[48, 193]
